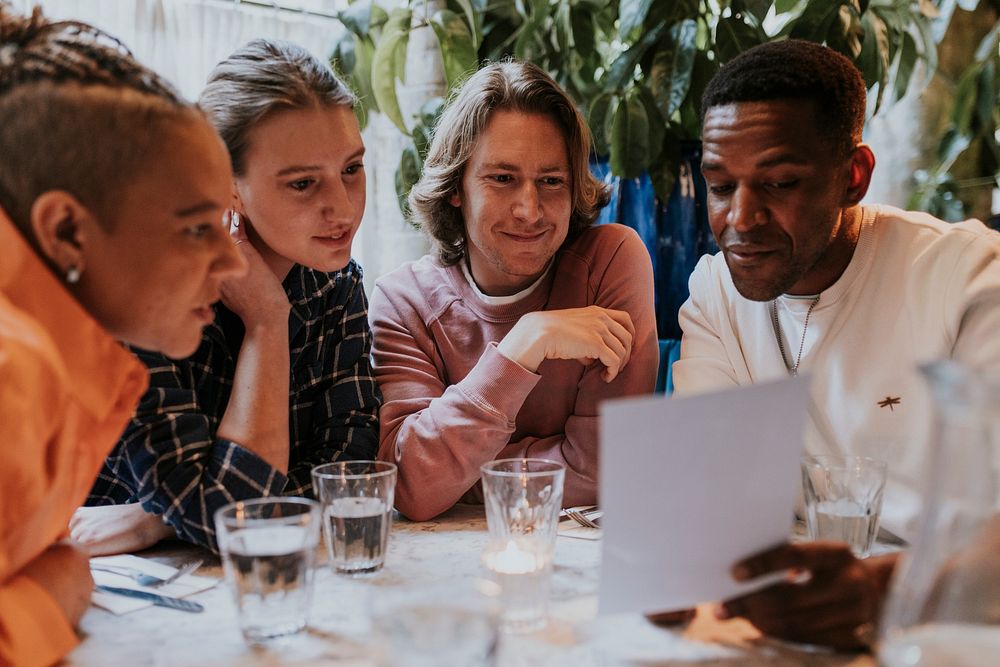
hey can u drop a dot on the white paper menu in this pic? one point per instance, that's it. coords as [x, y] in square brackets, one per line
[691, 485]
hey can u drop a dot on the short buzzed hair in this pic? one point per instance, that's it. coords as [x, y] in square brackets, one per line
[794, 69]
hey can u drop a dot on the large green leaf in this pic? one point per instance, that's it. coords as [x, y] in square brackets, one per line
[815, 20]
[874, 58]
[532, 32]
[357, 18]
[663, 172]
[388, 61]
[965, 100]
[758, 8]
[733, 36]
[629, 137]
[670, 74]
[928, 48]
[657, 123]
[457, 49]
[364, 55]
[906, 59]
[622, 70]
[343, 58]
[986, 103]
[407, 174]
[563, 25]
[631, 14]
[597, 119]
[474, 18]
[583, 26]
[847, 32]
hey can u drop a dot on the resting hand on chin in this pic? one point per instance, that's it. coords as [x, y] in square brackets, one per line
[830, 597]
[115, 529]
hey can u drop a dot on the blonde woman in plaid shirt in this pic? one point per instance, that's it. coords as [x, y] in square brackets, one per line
[282, 380]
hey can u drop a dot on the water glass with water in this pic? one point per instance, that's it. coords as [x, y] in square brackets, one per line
[523, 499]
[843, 498]
[268, 548]
[357, 498]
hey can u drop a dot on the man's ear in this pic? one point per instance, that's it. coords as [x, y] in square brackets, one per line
[61, 224]
[861, 165]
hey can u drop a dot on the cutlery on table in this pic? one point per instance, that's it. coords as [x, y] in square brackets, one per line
[155, 598]
[583, 516]
[143, 579]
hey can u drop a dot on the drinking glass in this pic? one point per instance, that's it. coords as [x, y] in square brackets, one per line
[268, 547]
[523, 499]
[942, 607]
[357, 499]
[843, 497]
[452, 623]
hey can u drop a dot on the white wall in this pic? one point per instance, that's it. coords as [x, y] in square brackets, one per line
[184, 39]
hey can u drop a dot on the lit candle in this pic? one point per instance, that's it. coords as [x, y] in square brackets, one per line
[512, 560]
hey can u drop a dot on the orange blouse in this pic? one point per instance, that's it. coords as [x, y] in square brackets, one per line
[67, 390]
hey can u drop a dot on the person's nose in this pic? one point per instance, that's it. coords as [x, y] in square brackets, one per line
[527, 206]
[337, 205]
[746, 211]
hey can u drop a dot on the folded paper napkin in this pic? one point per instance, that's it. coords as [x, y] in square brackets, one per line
[570, 528]
[118, 604]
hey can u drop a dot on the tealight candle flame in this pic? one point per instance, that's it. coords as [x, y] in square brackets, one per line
[513, 560]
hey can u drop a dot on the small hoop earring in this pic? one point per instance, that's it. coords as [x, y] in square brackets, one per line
[72, 275]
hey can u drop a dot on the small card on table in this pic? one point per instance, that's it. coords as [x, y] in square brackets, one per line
[690, 486]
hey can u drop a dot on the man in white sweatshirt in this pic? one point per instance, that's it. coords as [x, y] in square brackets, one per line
[810, 280]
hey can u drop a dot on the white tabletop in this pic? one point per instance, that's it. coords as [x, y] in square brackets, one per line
[445, 550]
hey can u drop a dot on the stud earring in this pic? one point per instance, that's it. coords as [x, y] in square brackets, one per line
[235, 219]
[72, 275]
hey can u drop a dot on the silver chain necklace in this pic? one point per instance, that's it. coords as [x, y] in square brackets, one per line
[792, 369]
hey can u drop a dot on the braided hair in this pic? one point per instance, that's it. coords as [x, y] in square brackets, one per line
[78, 113]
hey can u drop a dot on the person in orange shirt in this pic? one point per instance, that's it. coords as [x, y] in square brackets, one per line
[112, 194]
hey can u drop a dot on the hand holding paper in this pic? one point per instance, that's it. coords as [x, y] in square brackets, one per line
[691, 486]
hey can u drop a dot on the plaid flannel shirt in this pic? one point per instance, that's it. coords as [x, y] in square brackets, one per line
[169, 458]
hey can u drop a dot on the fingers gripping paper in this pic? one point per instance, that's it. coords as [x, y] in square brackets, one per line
[691, 485]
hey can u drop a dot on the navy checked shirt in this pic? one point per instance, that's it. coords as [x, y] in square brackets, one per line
[169, 458]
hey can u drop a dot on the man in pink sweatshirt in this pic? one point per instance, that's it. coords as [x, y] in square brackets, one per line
[504, 343]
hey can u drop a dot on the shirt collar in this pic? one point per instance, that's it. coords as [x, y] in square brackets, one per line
[99, 371]
[501, 300]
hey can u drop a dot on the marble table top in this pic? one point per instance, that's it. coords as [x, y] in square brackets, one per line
[442, 552]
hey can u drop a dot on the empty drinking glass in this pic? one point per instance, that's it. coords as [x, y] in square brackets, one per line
[268, 547]
[523, 499]
[843, 496]
[357, 498]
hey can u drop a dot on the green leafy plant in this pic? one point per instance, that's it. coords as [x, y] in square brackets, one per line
[637, 68]
[973, 133]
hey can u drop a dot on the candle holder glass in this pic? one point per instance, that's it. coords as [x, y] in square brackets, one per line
[523, 499]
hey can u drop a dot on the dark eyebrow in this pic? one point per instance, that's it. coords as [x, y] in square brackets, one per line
[506, 166]
[297, 168]
[784, 158]
[197, 209]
